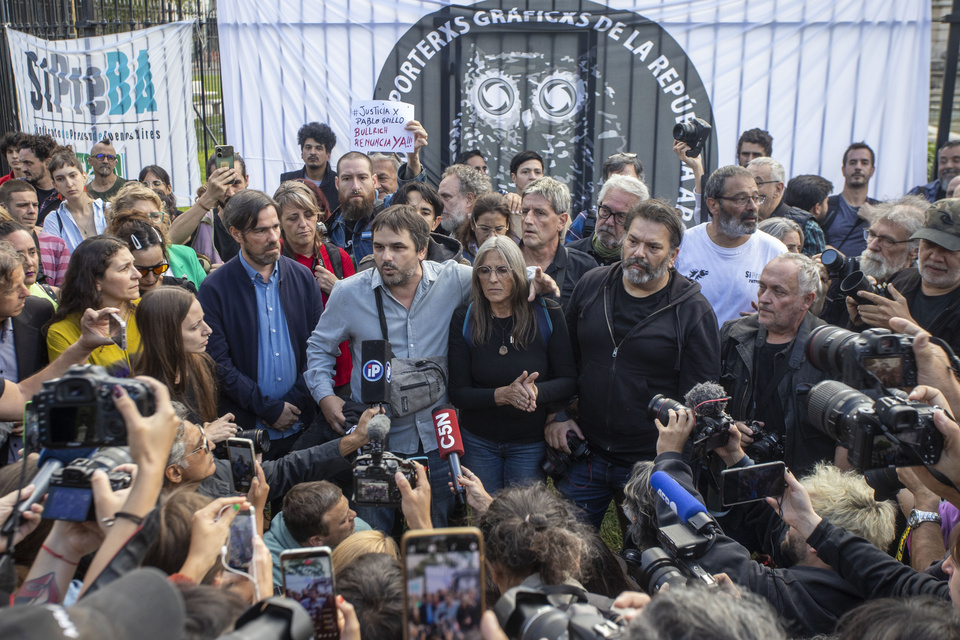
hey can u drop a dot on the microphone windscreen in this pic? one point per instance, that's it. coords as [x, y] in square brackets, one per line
[674, 495]
[703, 392]
[378, 428]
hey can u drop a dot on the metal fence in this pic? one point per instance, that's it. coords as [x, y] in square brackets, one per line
[65, 19]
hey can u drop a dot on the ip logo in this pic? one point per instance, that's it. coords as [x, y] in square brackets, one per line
[372, 370]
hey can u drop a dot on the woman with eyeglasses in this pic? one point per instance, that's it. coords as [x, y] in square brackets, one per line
[101, 275]
[149, 250]
[490, 217]
[183, 261]
[173, 350]
[156, 178]
[509, 360]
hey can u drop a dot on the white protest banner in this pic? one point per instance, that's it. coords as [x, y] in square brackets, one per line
[134, 89]
[578, 80]
[378, 125]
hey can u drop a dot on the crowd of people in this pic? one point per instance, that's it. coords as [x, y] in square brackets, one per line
[552, 329]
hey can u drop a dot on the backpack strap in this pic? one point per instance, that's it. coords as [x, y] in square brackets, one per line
[467, 330]
[336, 260]
[544, 323]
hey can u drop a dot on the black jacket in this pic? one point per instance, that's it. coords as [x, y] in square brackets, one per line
[671, 350]
[28, 337]
[740, 339]
[586, 246]
[810, 600]
[568, 266]
[945, 326]
[328, 185]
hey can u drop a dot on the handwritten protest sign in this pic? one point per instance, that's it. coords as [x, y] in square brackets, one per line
[378, 125]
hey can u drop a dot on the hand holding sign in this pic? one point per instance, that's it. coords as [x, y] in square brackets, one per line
[380, 125]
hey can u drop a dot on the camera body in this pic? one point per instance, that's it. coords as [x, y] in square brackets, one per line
[374, 482]
[709, 432]
[858, 281]
[858, 357]
[838, 266]
[767, 445]
[70, 496]
[886, 432]
[673, 563]
[525, 613]
[77, 410]
[557, 463]
[695, 133]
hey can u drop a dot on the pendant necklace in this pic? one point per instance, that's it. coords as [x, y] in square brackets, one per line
[503, 338]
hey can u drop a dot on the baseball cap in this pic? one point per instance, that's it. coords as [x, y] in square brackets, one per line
[142, 604]
[941, 225]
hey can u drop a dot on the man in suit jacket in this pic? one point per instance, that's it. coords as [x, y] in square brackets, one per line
[23, 348]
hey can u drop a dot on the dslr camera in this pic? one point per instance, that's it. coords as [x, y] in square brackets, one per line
[695, 133]
[709, 432]
[529, 614]
[886, 432]
[861, 359]
[70, 496]
[557, 463]
[838, 266]
[77, 410]
[259, 437]
[374, 470]
[858, 281]
[767, 445]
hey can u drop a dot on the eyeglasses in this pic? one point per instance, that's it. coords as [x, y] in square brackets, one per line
[604, 212]
[153, 183]
[204, 444]
[624, 154]
[887, 241]
[759, 182]
[102, 156]
[741, 200]
[155, 215]
[499, 229]
[157, 269]
[486, 272]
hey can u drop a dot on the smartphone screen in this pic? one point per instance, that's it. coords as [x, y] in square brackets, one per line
[242, 465]
[750, 484]
[443, 583]
[118, 331]
[240, 543]
[308, 579]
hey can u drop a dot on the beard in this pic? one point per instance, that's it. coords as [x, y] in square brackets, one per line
[795, 551]
[875, 264]
[735, 227]
[270, 254]
[451, 222]
[607, 239]
[354, 210]
[399, 277]
[103, 171]
[647, 274]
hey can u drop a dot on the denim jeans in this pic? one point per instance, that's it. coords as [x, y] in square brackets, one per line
[442, 502]
[591, 484]
[502, 464]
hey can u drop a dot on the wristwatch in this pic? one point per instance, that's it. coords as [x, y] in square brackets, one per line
[919, 517]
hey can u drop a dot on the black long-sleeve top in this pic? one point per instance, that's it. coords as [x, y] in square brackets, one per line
[477, 370]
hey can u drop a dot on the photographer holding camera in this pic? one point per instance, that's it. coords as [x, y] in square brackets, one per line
[809, 596]
[764, 360]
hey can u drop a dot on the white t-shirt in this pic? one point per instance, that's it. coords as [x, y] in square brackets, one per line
[728, 277]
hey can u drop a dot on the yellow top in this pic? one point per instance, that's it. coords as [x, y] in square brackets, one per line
[117, 362]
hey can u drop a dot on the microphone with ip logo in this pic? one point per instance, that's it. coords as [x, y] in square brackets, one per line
[375, 372]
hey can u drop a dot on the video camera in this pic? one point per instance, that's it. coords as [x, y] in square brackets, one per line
[528, 614]
[695, 133]
[886, 432]
[374, 482]
[70, 496]
[864, 359]
[708, 401]
[77, 410]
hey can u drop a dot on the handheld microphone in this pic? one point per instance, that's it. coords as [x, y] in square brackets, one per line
[707, 399]
[375, 373]
[51, 461]
[691, 512]
[449, 445]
